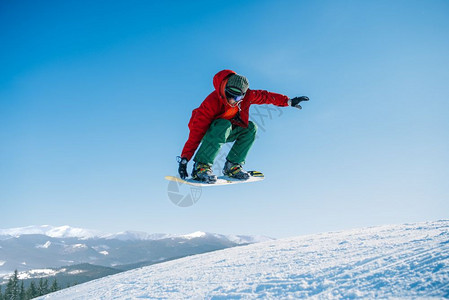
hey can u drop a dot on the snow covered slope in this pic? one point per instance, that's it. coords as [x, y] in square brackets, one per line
[390, 261]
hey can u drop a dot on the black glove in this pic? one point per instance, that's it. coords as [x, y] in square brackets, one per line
[182, 170]
[295, 101]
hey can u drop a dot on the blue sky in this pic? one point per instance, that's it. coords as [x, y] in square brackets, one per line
[96, 96]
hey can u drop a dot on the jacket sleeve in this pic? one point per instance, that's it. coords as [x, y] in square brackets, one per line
[265, 97]
[199, 123]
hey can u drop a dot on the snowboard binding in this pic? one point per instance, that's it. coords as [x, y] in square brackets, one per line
[203, 172]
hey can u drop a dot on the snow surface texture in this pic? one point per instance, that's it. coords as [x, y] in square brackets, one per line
[405, 261]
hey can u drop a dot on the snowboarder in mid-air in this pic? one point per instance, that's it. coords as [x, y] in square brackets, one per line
[223, 117]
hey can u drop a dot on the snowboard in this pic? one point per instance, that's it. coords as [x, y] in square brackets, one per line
[221, 180]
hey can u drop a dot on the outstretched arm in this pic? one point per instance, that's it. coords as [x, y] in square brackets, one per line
[265, 97]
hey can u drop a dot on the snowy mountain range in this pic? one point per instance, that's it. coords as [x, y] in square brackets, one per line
[84, 234]
[42, 247]
[396, 261]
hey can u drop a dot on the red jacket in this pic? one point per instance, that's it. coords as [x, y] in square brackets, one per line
[214, 106]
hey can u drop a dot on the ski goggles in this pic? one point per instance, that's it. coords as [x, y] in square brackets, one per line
[234, 94]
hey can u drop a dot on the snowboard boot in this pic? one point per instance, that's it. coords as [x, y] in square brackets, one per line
[235, 171]
[203, 172]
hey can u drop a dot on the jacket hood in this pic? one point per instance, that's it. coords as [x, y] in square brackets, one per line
[218, 81]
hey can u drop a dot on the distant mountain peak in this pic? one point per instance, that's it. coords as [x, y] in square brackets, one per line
[193, 235]
[136, 235]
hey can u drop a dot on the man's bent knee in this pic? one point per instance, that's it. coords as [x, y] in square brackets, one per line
[252, 127]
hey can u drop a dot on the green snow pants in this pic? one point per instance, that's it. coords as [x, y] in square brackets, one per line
[221, 131]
